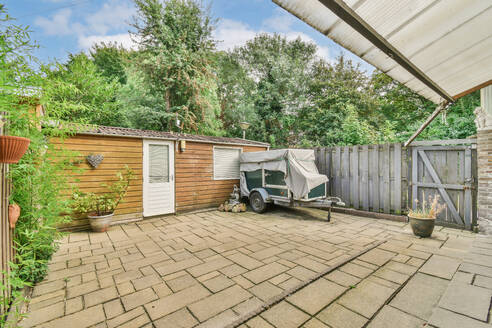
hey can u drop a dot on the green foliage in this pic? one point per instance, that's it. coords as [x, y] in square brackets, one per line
[111, 60]
[105, 203]
[12, 300]
[79, 92]
[174, 69]
[37, 180]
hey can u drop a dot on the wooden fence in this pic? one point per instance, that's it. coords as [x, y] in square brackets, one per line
[6, 234]
[388, 178]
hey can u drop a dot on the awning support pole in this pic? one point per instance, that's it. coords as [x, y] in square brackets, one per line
[436, 112]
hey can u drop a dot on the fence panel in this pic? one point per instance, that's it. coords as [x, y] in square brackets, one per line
[376, 177]
[367, 177]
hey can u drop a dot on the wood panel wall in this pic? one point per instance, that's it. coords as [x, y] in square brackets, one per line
[195, 184]
[117, 152]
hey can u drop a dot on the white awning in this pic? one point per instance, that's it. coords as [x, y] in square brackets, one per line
[447, 44]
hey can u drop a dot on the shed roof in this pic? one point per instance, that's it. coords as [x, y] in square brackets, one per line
[136, 133]
[441, 49]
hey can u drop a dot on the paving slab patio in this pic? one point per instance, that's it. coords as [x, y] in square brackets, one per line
[214, 269]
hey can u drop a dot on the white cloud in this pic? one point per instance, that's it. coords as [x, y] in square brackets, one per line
[57, 25]
[86, 42]
[231, 34]
[112, 16]
[280, 21]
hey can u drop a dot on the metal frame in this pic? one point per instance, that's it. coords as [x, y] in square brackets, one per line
[349, 16]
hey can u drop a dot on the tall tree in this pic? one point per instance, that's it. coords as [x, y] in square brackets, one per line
[79, 92]
[174, 63]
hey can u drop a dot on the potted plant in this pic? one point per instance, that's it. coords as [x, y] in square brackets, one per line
[12, 148]
[423, 218]
[100, 207]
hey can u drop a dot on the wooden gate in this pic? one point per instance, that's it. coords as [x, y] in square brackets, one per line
[389, 178]
[447, 168]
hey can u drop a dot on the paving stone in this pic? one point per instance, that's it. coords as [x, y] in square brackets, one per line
[311, 264]
[342, 278]
[285, 315]
[316, 295]
[216, 303]
[136, 299]
[440, 266]
[100, 296]
[467, 299]
[139, 321]
[44, 314]
[420, 295]
[265, 290]
[464, 277]
[366, 298]
[125, 317]
[74, 305]
[383, 282]
[265, 272]
[162, 289]
[179, 319]
[388, 316]
[223, 319]
[301, 273]
[176, 301]
[82, 319]
[482, 281]
[480, 259]
[125, 288]
[209, 266]
[113, 308]
[168, 268]
[391, 275]
[376, 256]
[266, 253]
[233, 270]
[337, 316]
[146, 281]
[416, 262]
[258, 322]
[248, 306]
[477, 269]
[48, 287]
[82, 289]
[314, 323]
[245, 261]
[442, 318]
[401, 267]
[181, 283]
[356, 270]
[218, 283]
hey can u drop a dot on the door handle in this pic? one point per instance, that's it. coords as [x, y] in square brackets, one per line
[172, 177]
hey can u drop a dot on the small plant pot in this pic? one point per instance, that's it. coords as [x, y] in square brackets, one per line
[100, 223]
[12, 148]
[422, 227]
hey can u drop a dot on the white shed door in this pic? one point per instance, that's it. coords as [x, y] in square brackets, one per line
[158, 177]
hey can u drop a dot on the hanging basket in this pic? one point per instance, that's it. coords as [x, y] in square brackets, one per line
[12, 148]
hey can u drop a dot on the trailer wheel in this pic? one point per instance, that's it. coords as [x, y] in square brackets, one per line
[257, 203]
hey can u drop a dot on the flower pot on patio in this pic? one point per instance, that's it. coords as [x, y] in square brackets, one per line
[100, 223]
[12, 148]
[422, 227]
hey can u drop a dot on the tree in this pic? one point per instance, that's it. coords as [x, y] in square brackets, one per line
[270, 79]
[78, 92]
[111, 60]
[174, 65]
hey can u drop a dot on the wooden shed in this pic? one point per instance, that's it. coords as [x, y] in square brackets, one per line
[174, 172]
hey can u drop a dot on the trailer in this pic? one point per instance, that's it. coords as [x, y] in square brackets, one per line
[285, 177]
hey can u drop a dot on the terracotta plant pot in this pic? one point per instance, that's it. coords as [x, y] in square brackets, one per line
[100, 223]
[14, 213]
[422, 227]
[12, 148]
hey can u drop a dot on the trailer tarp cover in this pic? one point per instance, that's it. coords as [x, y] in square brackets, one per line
[301, 173]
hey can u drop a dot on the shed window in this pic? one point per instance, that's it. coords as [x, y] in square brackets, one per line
[158, 163]
[226, 163]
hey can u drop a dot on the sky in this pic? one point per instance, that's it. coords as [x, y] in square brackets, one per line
[61, 27]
